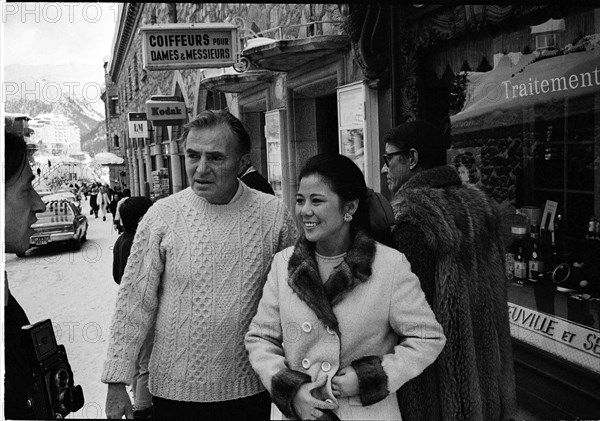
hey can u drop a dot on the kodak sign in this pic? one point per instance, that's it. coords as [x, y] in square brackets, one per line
[166, 113]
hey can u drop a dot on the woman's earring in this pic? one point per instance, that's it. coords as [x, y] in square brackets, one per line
[347, 217]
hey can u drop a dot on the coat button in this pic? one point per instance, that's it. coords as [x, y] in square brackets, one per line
[330, 331]
[307, 327]
[325, 366]
[306, 363]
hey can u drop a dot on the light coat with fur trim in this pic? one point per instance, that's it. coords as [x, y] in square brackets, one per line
[371, 314]
[449, 232]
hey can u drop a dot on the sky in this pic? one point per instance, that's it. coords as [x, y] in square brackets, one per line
[58, 32]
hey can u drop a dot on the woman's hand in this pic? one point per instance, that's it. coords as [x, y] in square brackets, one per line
[345, 383]
[308, 407]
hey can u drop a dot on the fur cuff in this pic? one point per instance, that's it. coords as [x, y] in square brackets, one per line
[372, 380]
[283, 389]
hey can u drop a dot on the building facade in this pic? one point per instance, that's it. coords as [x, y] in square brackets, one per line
[55, 134]
[516, 86]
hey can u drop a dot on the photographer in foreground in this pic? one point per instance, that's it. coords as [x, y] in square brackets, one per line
[21, 203]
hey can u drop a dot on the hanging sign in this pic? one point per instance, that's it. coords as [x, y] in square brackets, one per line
[189, 46]
[165, 112]
[138, 125]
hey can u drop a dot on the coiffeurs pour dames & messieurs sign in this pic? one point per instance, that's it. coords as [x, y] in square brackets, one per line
[189, 46]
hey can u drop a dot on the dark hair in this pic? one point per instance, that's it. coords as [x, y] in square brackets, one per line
[132, 210]
[345, 179]
[126, 193]
[15, 155]
[426, 138]
[214, 118]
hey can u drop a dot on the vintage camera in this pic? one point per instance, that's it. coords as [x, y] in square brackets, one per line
[52, 394]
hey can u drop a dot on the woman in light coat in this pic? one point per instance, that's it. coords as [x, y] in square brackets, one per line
[343, 322]
[104, 199]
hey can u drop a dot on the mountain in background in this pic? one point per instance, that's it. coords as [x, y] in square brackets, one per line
[95, 140]
[72, 90]
[48, 83]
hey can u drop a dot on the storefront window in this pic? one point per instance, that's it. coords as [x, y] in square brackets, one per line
[529, 136]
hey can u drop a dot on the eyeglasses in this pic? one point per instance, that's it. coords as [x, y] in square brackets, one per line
[387, 156]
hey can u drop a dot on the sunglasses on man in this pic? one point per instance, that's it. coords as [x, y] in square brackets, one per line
[388, 156]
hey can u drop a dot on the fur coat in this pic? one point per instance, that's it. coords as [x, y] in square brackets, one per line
[450, 233]
[370, 314]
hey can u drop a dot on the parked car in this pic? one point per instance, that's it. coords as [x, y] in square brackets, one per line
[62, 221]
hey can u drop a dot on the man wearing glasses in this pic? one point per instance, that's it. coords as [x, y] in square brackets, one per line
[448, 230]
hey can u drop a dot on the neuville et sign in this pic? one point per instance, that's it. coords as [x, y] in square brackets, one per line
[189, 46]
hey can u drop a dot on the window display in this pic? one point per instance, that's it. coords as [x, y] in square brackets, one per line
[357, 131]
[273, 134]
[529, 136]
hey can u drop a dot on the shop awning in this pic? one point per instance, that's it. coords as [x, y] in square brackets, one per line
[509, 95]
[290, 54]
[228, 80]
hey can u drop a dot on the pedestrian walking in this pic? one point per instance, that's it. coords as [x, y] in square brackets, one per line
[117, 219]
[103, 200]
[197, 265]
[348, 363]
[132, 211]
[21, 204]
[49, 165]
[39, 172]
[449, 230]
[94, 192]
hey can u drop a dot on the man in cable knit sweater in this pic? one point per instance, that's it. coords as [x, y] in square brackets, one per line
[195, 274]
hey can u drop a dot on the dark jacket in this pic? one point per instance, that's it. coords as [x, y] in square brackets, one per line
[255, 181]
[18, 377]
[121, 252]
[449, 232]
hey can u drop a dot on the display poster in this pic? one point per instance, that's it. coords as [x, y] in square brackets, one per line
[351, 111]
[273, 138]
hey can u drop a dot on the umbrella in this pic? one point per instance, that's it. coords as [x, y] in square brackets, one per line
[107, 158]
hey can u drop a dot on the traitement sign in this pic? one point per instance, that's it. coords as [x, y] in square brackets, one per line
[189, 46]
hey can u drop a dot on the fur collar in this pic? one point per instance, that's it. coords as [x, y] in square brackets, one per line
[438, 177]
[304, 279]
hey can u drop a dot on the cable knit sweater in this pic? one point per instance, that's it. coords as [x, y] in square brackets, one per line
[195, 274]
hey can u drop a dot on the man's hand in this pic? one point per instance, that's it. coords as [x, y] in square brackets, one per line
[118, 402]
[345, 383]
[308, 407]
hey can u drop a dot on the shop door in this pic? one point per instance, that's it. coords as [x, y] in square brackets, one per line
[326, 124]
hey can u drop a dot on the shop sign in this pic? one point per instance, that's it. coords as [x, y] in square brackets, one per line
[138, 125]
[571, 341]
[166, 113]
[189, 46]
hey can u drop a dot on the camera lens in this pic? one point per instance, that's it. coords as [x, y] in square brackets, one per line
[61, 378]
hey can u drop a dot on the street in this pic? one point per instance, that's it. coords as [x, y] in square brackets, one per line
[74, 289]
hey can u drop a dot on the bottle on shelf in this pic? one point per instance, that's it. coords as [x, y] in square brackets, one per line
[519, 224]
[558, 240]
[521, 263]
[536, 262]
